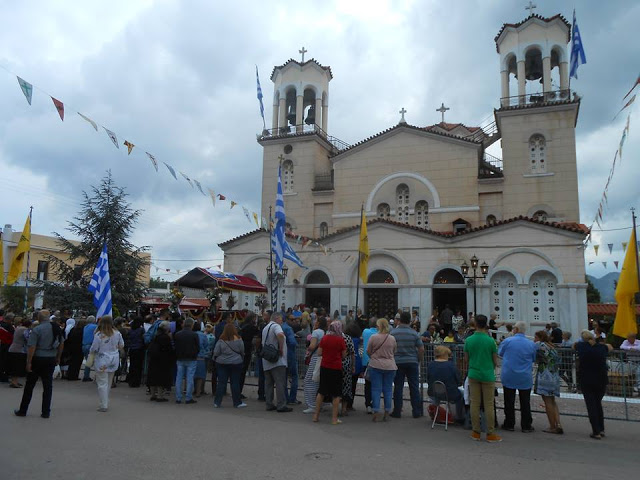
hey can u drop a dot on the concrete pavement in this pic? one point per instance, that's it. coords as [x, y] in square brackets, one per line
[147, 440]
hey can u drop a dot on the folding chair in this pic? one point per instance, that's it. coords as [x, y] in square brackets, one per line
[440, 396]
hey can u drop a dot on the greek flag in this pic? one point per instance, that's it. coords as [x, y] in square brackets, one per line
[260, 96]
[281, 248]
[100, 285]
[577, 50]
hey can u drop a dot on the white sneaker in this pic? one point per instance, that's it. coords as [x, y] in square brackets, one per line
[309, 410]
[242, 405]
[369, 410]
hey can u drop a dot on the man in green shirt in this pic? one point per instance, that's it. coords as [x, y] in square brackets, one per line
[481, 354]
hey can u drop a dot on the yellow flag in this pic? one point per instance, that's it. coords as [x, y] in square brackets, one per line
[21, 251]
[363, 249]
[625, 322]
[1, 262]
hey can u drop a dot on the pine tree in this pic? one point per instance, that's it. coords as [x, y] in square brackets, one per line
[105, 215]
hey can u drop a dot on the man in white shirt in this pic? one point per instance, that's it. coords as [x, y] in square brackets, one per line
[632, 346]
[275, 373]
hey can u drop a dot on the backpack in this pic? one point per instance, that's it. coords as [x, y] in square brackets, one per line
[151, 333]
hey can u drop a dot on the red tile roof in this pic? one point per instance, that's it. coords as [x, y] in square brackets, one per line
[451, 126]
[291, 60]
[605, 308]
[539, 17]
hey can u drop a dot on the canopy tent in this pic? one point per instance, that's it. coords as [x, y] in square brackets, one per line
[185, 303]
[208, 278]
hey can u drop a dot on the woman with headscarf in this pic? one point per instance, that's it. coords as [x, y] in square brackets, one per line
[107, 346]
[161, 363]
[65, 360]
[332, 350]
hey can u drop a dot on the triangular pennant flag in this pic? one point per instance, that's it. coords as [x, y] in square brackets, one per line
[624, 137]
[615, 262]
[153, 160]
[27, 89]
[212, 194]
[595, 249]
[246, 213]
[129, 146]
[60, 107]
[219, 266]
[112, 136]
[633, 99]
[171, 170]
[610, 245]
[233, 204]
[187, 179]
[632, 88]
[624, 246]
[255, 217]
[199, 187]
[591, 263]
[93, 124]
[306, 242]
[221, 197]
[604, 264]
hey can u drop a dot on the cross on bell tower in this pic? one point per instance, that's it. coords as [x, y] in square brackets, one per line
[303, 51]
[531, 7]
[442, 109]
[402, 112]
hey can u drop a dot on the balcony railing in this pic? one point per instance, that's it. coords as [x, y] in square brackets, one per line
[536, 98]
[490, 167]
[303, 129]
[323, 182]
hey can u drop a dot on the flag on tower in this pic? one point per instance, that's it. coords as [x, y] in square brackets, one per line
[24, 244]
[281, 248]
[260, 97]
[625, 322]
[577, 50]
[100, 285]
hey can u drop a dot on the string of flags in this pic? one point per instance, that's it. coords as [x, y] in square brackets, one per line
[617, 159]
[177, 271]
[610, 248]
[251, 216]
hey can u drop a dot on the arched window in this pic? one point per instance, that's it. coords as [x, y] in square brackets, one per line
[324, 229]
[460, 225]
[402, 203]
[380, 276]
[542, 295]
[504, 296]
[422, 214]
[538, 154]
[540, 215]
[287, 176]
[383, 210]
[491, 219]
[287, 227]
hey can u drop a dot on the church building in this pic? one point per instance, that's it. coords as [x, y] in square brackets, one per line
[437, 203]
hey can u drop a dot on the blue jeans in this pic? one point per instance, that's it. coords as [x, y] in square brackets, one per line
[381, 382]
[185, 369]
[226, 371]
[292, 369]
[411, 372]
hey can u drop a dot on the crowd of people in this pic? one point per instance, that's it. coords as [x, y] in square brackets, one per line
[180, 350]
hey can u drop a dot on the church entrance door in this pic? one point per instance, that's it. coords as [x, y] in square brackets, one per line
[381, 302]
[318, 297]
[456, 298]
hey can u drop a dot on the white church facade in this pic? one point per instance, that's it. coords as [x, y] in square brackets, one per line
[433, 197]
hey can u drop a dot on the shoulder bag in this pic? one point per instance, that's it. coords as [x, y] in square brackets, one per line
[269, 352]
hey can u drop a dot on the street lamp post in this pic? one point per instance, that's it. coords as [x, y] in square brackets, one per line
[484, 270]
[276, 278]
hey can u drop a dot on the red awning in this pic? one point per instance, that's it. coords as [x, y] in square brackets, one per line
[206, 278]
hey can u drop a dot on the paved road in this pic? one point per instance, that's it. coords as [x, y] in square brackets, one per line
[138, 439]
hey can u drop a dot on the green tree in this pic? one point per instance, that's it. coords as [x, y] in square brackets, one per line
[105, 215]
[593, 294]
[158, 283]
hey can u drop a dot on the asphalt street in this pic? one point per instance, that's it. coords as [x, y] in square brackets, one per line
[139, 439]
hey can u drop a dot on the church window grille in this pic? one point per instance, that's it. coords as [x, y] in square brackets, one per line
[491, 219]
[504, 297]
[383, 210]
[538, 154]
[287, 176]
[541, 216]
[422, 214]
[542, 294]
[402, 203]
[324, 229]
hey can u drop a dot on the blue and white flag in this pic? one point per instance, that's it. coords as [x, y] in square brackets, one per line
[260, 97]
[577, 50]
[100, 285]
[279, 245]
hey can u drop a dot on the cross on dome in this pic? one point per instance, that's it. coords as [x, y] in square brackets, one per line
[303, 51]
[442, 109]
[531, 7]
[402, 112]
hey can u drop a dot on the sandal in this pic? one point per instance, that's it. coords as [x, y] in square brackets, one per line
[374, 419]
[315, 419]
[550, 430]
[337, 422]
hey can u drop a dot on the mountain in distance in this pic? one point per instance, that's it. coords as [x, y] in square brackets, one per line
[606, 286]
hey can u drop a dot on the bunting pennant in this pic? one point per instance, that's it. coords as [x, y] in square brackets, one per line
[187, 179]
[171, 170]
[93, 124]
[624, 137]
[615, 262]
[595, 249]
[153, 160]
[255, 217]
[27, 89]
[212, 194]
[610, 245]
[219, 266]
[233, 204]
[199, 186]
[306, 242]
[129, 146]
[246, 213]
[633, 99]
[60, 107]
[624, 246]
[632, 88]
[221, 197]
[604, 264]
[113, 137]
[591, 263]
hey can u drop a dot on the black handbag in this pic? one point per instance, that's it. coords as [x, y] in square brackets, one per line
[269, 352]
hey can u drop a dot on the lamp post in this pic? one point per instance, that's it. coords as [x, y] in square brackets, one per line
[276, 277]
[484, 270]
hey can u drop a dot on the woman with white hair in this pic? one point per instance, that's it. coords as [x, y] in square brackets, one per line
[593, 378]
[106, 347]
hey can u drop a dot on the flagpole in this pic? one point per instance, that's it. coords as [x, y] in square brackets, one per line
[26, 284]
[271, 259]
[635, 249]
[358, 268]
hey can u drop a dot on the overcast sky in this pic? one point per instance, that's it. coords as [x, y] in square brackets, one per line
[177, 79]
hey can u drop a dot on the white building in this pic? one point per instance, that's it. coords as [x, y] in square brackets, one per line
[434, 197]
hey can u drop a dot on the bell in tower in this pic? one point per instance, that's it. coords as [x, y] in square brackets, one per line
[311, 116]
